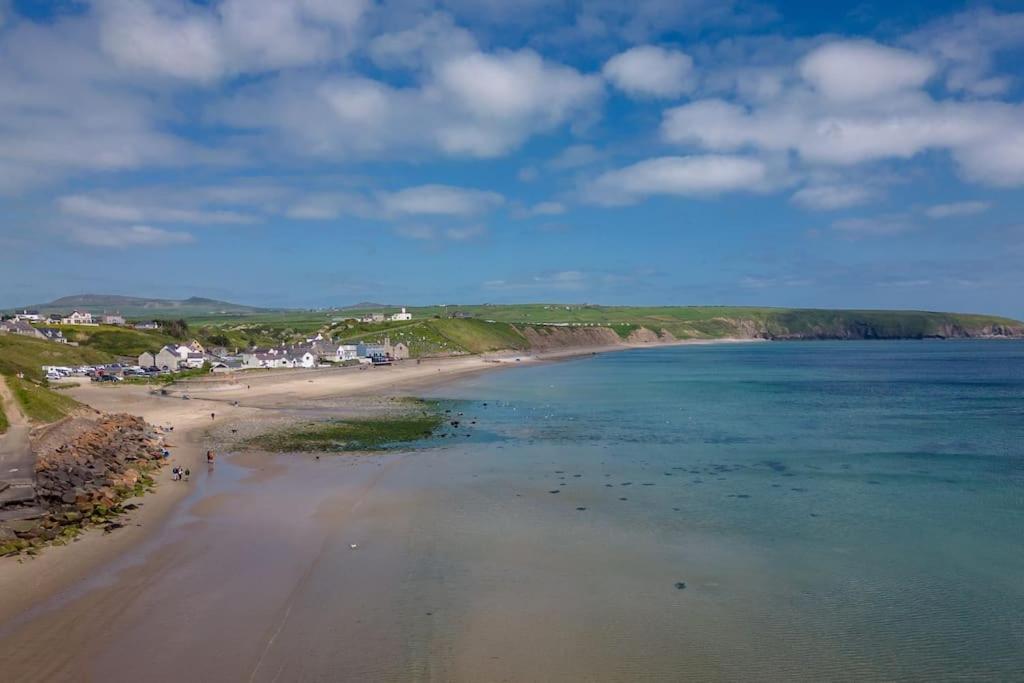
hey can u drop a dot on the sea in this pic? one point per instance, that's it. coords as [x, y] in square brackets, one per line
[765, 511]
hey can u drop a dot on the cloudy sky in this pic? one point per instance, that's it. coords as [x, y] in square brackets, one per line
[324, 152]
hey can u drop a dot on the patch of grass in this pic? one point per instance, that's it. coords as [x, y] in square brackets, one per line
[4, 424]
[340, 436]
[39, 403]
[119, 341]
[28, 355]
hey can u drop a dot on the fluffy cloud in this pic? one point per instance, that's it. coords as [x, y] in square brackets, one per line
[439, 200]
[850, 71]
[831, 197]
[203, 43]
[700, 175]
[470, 105]
[122, 237]
[111, 209]
[968, 208]
[650, 71]
[984, 137]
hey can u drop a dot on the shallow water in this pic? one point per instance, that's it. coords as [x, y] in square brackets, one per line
[836, 510]
[827, 510]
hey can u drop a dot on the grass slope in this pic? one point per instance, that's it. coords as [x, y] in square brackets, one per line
[118, 341]
[28, 355]
[39, 403]
[4, 424]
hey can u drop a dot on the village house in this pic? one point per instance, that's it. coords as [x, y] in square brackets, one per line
[114, 319]
[404, 315]
[28, 316]
[148, 325]
[400, 351]
[20, 327]
[346, 352]
[372, 318]
[78, 318]
[147, 359]
[53, 334]
[171, 357]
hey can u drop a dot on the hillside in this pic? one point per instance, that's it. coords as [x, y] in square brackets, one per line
[139, 307]
[711, 322]
[28, 355]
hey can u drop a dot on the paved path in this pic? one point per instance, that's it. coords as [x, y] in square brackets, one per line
[17, 463]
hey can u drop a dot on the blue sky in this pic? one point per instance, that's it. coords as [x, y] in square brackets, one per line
[324, 152]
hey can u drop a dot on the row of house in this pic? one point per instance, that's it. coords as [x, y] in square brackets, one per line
[76, 317]
[175, 357]
[380, 317]
[317, 350]
[23, 328]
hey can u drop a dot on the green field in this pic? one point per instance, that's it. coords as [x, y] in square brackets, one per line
[39, 403]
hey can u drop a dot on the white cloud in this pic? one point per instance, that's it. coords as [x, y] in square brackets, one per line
[967, 208]
[832, 197]
[651, 71]
[699, 175]
[110, 209]
[985, 137]
[121, 237]
[193, 42]
[439, 200]
[857, 70]
[968, 44]
[470, 105]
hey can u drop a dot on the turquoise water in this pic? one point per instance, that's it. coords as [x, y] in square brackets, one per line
[834, 509]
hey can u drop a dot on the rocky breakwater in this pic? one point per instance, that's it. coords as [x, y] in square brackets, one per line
[85, 469]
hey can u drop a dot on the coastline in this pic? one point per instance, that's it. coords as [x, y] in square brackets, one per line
[30, 582]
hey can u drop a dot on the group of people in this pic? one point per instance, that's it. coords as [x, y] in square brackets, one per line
[179, 473]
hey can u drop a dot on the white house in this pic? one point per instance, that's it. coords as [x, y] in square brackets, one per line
[346, 352]
[306, 360]
[148, 325]
[28, 316]
[193, 360]
[77, 318]
[172, 356]
[402, 316]
[53, 334]
[113, 319]
[372, 318]
[147, 359]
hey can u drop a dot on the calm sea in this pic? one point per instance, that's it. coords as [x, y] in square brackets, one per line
[830, 510]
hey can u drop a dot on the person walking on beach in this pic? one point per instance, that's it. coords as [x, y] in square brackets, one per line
[212, 416]
[210, 457]
[188, 473]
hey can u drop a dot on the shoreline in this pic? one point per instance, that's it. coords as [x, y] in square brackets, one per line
[26, 584]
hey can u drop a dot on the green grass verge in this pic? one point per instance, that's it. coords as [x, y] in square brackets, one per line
[39, 403]
[4, 424]
[340, 436]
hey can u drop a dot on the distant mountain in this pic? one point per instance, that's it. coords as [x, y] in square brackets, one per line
[141, 307]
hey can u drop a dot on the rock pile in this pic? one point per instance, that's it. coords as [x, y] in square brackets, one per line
[83, 481]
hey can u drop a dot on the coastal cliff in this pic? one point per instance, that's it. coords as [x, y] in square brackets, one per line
[782, 325]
